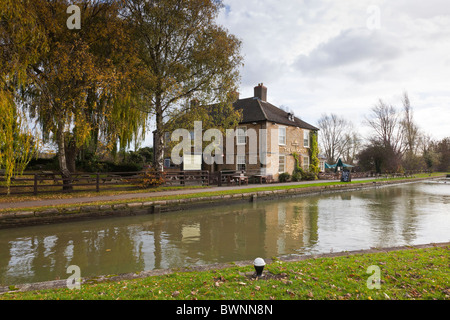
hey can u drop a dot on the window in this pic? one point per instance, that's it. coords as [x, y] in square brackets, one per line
[167, 138]
[306, 138]
[241, 135]
[167, 163]
[282, 135]
[306, 163]
[240, 163]
[322, 166]
[281, 163]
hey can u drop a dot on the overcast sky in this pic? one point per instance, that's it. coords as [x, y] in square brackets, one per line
[342, 56]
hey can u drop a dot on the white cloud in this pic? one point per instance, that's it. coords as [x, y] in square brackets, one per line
[318, 56]
[352, 47]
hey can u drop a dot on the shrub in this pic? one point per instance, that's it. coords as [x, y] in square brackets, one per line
[296, 176]
[283, 177]
[309, 176]
[151, 179]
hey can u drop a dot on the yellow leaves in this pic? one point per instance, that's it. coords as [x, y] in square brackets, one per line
[17, 144]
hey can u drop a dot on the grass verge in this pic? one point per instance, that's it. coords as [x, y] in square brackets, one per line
[421, 274]
[207, 193]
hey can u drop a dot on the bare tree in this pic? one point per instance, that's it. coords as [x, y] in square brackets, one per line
[334, 136]
[411, 132]
[385, 122]
[353, 144]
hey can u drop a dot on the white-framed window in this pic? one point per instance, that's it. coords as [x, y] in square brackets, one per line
[306, 163]
[240, 163]
[322, 166]
[241, 134]
[282, 136]
[281, 163]
[306, 138]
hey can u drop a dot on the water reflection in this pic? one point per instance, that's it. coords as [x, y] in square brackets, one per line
[391, 216]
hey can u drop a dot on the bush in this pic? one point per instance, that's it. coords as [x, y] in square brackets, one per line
[296, 176]
[283, 177]
[151, 179]
[309, 176]
[43, 164]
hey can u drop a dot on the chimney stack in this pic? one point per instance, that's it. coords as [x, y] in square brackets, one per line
[261, 92]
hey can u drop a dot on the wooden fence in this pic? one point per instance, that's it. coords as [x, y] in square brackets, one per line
[48, 181]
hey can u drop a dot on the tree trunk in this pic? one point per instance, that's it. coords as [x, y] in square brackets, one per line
[159, 137]
[71, 151]
[65, 173]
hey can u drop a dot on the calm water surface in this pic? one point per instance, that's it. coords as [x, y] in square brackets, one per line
[408, 214]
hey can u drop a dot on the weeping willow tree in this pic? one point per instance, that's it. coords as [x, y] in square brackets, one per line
[19, 47]
[82, 89]
[17, 143]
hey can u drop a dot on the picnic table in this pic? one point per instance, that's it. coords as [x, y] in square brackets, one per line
[264, 178]
[240, 179]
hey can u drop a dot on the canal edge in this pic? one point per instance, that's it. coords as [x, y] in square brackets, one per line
[23, 218]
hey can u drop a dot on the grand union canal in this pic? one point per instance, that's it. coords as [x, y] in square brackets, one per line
[407, 214]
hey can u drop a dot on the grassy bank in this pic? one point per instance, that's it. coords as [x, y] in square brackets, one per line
[405, 274]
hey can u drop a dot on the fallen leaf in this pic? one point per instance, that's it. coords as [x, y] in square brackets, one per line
[175, 293]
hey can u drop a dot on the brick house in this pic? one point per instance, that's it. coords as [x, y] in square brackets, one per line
[284, 133]
[265, 140]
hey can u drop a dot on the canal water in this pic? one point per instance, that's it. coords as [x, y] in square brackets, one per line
[408, 214]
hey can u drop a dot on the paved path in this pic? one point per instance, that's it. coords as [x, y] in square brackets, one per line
[126, 196]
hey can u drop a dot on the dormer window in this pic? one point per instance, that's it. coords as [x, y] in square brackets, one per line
[291, 116]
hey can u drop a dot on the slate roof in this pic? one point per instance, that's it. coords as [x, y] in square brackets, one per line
[255, 110]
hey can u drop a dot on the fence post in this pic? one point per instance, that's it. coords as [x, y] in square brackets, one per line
[97, 183]
[219, 184]
[35, 191]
